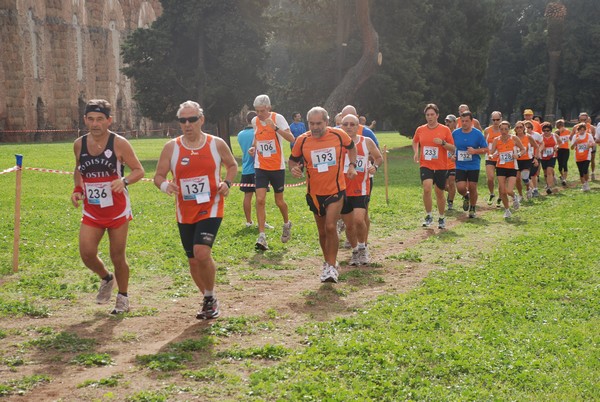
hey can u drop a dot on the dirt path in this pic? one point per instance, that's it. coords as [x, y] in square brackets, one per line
[293, 297]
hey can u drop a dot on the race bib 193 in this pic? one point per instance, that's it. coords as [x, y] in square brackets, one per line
[323, 158]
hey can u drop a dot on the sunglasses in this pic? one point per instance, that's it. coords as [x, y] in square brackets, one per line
[546, 130]
[348, 124]
[192, 119]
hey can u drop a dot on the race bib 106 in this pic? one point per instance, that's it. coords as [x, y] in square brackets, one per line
[266, 148]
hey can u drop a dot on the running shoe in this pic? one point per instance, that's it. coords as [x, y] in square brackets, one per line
[586, 186]
[529, 194]
[450, 206]
[105, 291]
[347, 244]
[491, 199]
[267, 226]
[507, 213]
[428, 221]
[354, 259]
[472, 213]
[563, 182]
[340, 226]
[261, 242]
[287, 232]
[330, 274]
[535, 193]
[548, 190]
[516, 202]
[210, 309]
[249, 224]
[122, 305]
[442, 223]
[363, 256]
[466, 202]
[498, 202]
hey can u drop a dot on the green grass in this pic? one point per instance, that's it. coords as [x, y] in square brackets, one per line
[111, 382]
[519, 324]
[511, 314]
[93, 359]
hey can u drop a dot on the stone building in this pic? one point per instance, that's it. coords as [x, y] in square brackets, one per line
[57, 54]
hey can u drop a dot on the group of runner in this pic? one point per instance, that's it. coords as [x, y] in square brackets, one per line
[339, 163]
[450, 158]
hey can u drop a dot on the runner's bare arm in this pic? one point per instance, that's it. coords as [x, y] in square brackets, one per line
[162, 170]
[374, 153]
[415, 147]
[78, 192]
[127, 156]
[230, 164]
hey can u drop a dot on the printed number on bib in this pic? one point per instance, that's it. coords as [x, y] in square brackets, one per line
[463, 156]
[196, 189]
[505, 157]
[430, 153]
[266, 148]
[361, 163]
[548, 152]
[582, 148]
[323, 158]
[564, 139]
[99, 194]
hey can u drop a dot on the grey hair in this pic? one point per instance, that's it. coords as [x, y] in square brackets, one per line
[318, 109]
[191, 105]
[351, 117]
[262, 100]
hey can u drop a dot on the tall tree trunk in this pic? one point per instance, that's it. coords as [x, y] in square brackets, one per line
[555, 15]
[223, 130]
[356, 76]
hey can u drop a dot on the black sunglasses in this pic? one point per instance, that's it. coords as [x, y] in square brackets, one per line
[192, 119]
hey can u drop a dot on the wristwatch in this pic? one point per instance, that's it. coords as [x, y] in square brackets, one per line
[125, 181]
[444, 142]
[227, 182]
[276, 129]
[353, 164]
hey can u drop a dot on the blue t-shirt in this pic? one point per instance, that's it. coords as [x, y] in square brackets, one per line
[297, 130]
[245, 139]
[367, 132]
[462, 141]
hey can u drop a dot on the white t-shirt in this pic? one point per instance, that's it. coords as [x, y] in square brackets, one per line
[280, 122]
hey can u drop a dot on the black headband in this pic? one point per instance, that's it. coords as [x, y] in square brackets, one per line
[97, 108]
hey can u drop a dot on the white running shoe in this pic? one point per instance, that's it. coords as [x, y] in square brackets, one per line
[261, 242]
[363, 256]
[105, 291]
[122, 305]
[347, 244]
[507, 213]
[249, 224]
[354, 259]
[267, 226]
[516, 202]
[286, 233]
[330, 274]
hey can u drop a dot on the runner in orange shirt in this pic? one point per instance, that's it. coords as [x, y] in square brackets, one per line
[528, 116]
[491, 133]
[564, 136]
[269, 165]
[585, 118]
[526, 161]
[451, 122]
[321, 152]
[548, 151]
[194, 160]
[508, 148]
[431, 144]
[583, 143]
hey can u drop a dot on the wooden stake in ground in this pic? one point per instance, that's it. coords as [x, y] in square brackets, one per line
[385, 174]
[17, 237]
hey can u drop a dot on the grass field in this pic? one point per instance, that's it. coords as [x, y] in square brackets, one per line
[486, 310]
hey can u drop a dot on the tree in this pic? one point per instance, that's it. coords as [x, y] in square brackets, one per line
[356, 76]
[209, 51]
[555, 16]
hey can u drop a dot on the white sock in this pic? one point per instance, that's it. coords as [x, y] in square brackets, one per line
[209, 293]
